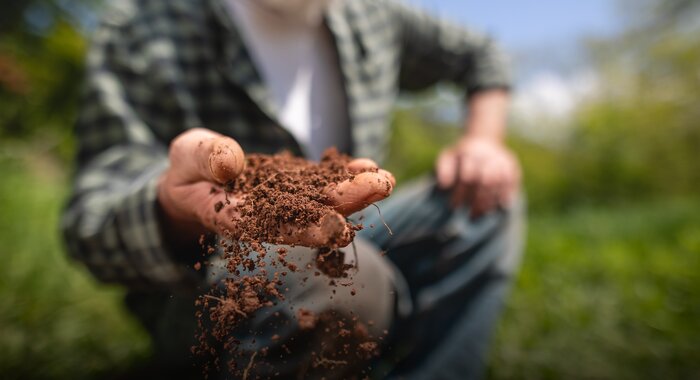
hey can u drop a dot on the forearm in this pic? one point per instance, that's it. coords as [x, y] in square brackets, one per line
[488, 112]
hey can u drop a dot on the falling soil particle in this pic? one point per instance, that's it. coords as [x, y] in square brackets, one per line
[306, 319]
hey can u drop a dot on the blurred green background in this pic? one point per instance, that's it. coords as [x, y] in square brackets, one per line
[610, 285]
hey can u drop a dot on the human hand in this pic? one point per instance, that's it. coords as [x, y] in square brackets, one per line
[480, 172]
[201, 159]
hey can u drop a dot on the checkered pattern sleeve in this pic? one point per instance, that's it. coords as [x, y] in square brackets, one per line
[434, 51]
[111, 221]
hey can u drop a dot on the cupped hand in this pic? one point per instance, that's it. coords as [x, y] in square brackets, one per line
[202, 161]
[480, 173]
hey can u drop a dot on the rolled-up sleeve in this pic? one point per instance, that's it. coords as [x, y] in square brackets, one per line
[111, 222]
[435, 51]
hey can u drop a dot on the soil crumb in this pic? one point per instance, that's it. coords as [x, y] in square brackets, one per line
[272, 193]
[306, 319]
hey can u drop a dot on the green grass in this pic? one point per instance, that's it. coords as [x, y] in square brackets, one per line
[604, 293]
[55, 320]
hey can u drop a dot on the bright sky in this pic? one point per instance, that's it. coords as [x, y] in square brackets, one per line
[530, 23]
[542, 35]
[544, 38]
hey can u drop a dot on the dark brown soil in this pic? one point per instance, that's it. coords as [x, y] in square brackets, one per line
[272, 192]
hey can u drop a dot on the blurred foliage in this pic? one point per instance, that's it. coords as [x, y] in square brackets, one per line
[638, 138]
[414, 144]
[24, 18]
[56, 321]
[42, 51]
[606, 293]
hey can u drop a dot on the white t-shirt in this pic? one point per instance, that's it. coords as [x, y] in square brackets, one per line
[297, 60]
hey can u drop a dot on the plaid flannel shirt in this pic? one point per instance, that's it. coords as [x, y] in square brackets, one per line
[157, 68]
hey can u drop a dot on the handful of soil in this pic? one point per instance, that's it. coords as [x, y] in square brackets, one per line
[277, 199]
[283, 195]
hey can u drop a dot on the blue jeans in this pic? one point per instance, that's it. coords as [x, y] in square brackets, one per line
[457, 271]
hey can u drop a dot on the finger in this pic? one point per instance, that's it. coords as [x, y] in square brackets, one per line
[201, 154]
[460, 195]
[446, 169]
[467, 172]
[218, 209]
[331, 231]
[198, 203]
[360, 165]
[225, 158]
[388, 176]
[480, 201]
[484, 201]
[364, 189]
[487, 189]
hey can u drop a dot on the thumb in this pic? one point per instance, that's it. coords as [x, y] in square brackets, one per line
[200, 154]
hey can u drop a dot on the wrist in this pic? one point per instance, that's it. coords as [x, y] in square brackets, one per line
[486, 119]
[490, 138]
